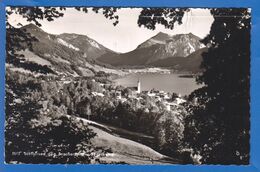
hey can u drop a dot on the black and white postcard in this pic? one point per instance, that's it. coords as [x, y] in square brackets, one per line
[109, 85]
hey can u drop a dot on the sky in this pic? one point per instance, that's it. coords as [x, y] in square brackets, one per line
[127, 35]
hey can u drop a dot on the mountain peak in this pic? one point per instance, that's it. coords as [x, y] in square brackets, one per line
[190, 35]
[162, 33]
[161, 36]
[195, 36]
[32, 26]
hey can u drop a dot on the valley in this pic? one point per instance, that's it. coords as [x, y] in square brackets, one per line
[79, 55]
[75, 77]
[127, 85]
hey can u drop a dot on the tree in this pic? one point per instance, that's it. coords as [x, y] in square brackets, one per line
[126, 92]
[218, 127]
[221, 130]
[83, 108]
[47, 136]
[169, 133]
[34, 136]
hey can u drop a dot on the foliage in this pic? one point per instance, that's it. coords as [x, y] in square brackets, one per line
[36, 14]
[219, 126]
[145, 115]
[149, 17]
[169, 132]
[39, 117]
[37, 131]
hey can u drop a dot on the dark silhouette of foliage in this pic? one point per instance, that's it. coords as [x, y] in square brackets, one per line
[221, 130]
[36, 14]
[149, 17]
[37, 131]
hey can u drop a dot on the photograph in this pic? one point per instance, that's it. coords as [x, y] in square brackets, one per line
[127, 85]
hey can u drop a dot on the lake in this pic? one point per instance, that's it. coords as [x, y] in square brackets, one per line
[166, 82]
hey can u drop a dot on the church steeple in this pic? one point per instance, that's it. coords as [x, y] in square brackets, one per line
[138, 86]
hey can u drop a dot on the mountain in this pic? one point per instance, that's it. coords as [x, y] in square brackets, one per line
[160, 38]
[191, 63]
[78, 55]
[66, 54]
[90, 48]
[160, 48]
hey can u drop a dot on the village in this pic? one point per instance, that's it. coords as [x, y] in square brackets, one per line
[170, 100]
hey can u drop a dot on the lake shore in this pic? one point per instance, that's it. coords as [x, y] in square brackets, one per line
[167, 82]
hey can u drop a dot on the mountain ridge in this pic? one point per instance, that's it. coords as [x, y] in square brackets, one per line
[91, 48]
[156, 49]
[57, 55]
[74, 53]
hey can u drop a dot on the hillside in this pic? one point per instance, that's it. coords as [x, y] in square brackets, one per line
[180, 45]
[190, 63]
[82, 44]
[65, 54]
[88, 46]
[78, 55]
[124, 150]
[137, 57]
[46, 80]
[159, 38]
[162, 50]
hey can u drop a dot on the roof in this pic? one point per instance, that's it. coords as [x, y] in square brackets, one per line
[133, 88]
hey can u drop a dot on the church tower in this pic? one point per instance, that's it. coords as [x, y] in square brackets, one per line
[139, 86]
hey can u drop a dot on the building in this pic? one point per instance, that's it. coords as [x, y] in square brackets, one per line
[137, 88]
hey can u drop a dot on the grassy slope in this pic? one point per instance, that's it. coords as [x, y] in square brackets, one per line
[124, 150]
